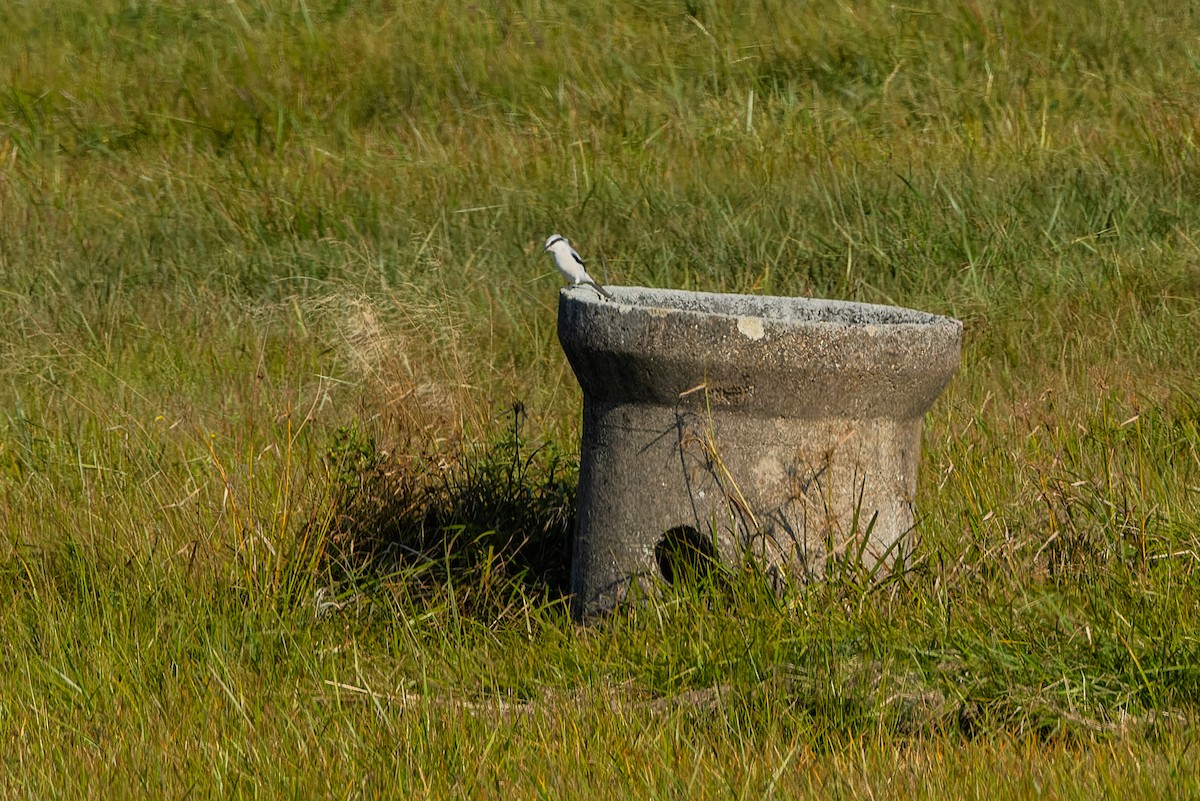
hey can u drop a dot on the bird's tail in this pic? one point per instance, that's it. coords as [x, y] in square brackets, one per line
[604, 292]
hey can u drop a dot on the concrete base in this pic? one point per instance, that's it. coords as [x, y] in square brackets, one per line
[785, 430]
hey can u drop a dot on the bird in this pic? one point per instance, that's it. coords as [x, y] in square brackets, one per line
[570, 264]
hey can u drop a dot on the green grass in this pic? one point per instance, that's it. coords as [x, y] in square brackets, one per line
[287, 445]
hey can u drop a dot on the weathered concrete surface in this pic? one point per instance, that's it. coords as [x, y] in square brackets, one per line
[786, 429]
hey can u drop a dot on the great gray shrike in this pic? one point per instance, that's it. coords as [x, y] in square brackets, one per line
[569, 264]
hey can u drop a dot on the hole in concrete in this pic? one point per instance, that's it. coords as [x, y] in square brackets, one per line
[685, 556]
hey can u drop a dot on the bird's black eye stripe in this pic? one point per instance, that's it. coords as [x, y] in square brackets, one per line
[555, 240]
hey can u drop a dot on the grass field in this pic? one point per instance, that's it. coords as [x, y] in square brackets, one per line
[288, 445]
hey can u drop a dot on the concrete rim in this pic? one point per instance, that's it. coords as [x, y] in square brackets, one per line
[767, 354]
[779, 310]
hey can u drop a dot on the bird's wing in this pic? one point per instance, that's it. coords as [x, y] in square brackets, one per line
[576, 257]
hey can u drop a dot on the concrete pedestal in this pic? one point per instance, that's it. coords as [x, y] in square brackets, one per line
[785, 430]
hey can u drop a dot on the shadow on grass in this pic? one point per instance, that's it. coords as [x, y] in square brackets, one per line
[484, 523]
